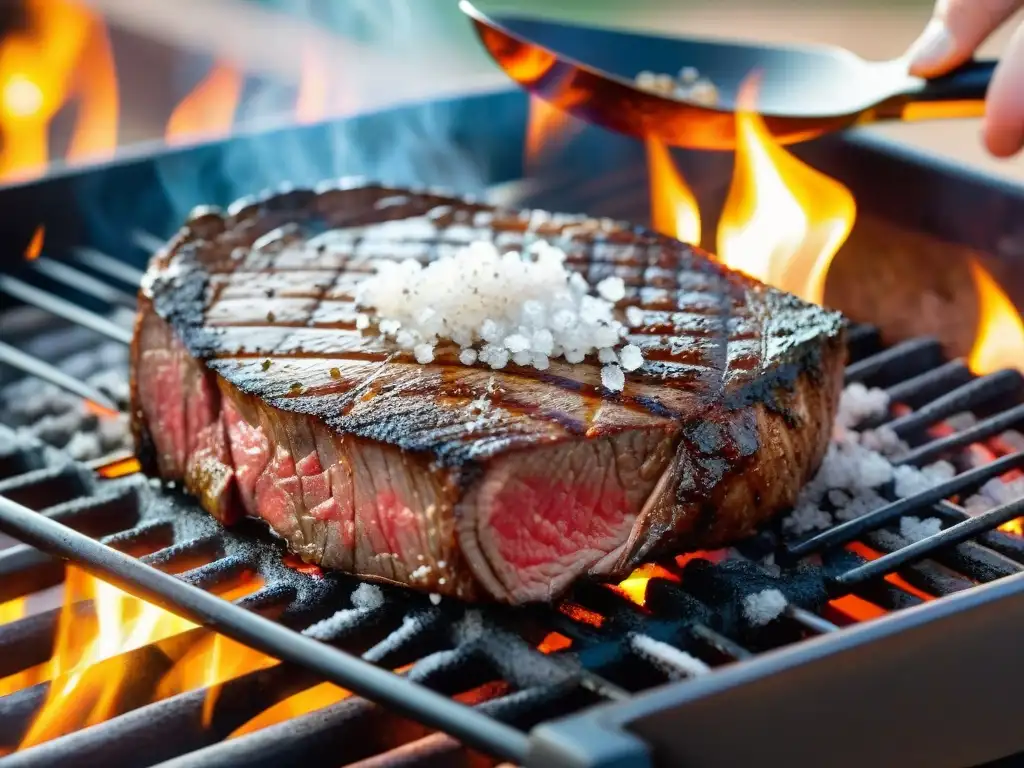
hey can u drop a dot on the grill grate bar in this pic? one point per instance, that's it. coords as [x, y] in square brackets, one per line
[977, 433]
[809, 620]
[63, 308]
[933, 383]
[148, 242]
[921, 353]
[948, 536]
[964, 398]
[846, 532]
[471, 727]
[109, 266]
[33, 366]
[80, 281]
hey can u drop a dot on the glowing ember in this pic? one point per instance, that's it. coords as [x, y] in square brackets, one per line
[209, 110]
[782, 221]
[897, 581]
[1014, 526]
[120, 468]
[553, 642]
[999, 341]
[581, 614]
[35, 245]
[674, 210]
[635, 587]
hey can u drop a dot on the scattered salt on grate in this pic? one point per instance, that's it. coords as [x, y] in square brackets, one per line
[765, 606]
[884, 441]
[911, 481]
[858, 403]
[915, 529]
[806, 518]
[366, 598]
[1000, 492]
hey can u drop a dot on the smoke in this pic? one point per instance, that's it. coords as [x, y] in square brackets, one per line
[364, 55]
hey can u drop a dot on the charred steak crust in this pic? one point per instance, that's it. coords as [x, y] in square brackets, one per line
[253, 388]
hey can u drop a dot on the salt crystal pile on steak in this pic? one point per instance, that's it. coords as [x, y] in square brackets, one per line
[253, 385]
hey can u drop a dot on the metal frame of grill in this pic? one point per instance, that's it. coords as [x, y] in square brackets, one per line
[880, 691]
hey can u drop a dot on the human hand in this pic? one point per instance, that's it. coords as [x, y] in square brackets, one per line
[956, 29]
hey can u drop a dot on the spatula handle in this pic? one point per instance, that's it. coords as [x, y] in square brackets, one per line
[968, 82]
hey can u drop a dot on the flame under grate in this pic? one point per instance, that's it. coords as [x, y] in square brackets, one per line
[517, 667]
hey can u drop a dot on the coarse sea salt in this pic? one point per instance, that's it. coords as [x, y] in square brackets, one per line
[525, 308]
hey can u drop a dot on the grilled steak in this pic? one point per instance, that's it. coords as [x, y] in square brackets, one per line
[252, 386]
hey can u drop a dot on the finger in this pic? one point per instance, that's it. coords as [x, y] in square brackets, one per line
[955, 31]
[1003, 126]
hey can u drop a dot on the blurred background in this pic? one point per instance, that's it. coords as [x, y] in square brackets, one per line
[80, 79]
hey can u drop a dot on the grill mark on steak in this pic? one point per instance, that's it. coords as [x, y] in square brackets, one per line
[469, 482]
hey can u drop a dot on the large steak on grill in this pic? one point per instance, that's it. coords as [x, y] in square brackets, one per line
[254, 388]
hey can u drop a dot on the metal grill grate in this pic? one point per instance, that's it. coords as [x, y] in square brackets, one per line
[160, 545]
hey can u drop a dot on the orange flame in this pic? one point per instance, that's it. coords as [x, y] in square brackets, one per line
[674, 210]
[547, 128]
[209, 110]
[999, 341]
[783, 221]
[63, 54]
[312, 102]
[95, 133]
[35, 245]
[86, 678]
[317, 697]
[209, 663]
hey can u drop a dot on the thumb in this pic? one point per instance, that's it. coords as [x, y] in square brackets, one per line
[956, 29]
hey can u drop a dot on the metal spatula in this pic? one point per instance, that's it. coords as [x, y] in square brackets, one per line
[801, 92]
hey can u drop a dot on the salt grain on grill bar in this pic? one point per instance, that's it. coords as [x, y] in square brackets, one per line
[519, 307]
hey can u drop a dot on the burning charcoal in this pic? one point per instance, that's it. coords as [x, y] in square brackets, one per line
[727, 586]
[113, 383]
[81, 365]
[58, 430]
[114, 433]
[977, 504]
[61, 344]
[113, 357]
[28, 400]
[1013, 439]
[84, 446]
[961, 421]
[1001, 492]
